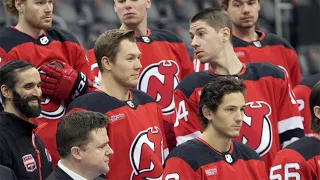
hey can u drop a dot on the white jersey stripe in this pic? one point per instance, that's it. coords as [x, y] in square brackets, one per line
[182, 139]
[290, 124]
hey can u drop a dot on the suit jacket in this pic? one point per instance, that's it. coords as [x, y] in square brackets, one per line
[7, 173]
[59, 174]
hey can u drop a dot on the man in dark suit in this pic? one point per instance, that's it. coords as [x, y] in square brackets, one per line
[83, 146]
[6, 173]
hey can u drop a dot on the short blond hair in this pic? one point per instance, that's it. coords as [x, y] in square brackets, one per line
[10, 7]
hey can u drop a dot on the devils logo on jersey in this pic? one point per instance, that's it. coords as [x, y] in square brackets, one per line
[51, 108]
[147, 155]
[256, 130]
[159, 81]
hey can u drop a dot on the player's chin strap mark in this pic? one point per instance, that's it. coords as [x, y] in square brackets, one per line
[80, 87]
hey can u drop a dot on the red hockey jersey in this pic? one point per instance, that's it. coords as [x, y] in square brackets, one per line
[271, 117]
[165, 62]
[268, 48]
[196, 159]
[52, 45]
[302, 92]
[300, 160]
[135, 132]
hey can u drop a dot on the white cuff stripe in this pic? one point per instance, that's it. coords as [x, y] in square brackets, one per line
[289, 124]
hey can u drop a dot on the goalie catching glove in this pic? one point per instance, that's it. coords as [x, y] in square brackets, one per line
[60, 80]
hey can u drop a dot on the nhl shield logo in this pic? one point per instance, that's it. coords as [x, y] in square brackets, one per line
[228, 158]
[130, 104]
[146, 39]
[29, 162]
[44, 40]
[257, 44]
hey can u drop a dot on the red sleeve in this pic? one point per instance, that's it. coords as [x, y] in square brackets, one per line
[165, 145]
[187, 123]
[177, 169]
[302, 94]
[169, 134]
[289, 164]
[290, 127]
[185, 61]
[94, 69]
[82, 63]
[292, 59]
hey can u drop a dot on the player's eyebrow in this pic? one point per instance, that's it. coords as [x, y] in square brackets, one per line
[134, 54]
[30, 84]
[198, 29]
[104, 144]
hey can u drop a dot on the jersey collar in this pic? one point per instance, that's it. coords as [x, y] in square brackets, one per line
[220, 153]
[243, 70]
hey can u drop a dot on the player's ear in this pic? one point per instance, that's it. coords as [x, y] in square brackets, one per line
[207, 113]
[76, 152]
[5, 92]
[148, 4]
[224, 7]
[106, 63]
[316, 111]
[19, 5]
[114, 6]
[226, 34]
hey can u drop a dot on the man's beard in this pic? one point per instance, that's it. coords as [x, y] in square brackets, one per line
[36, 24]
[24, 108]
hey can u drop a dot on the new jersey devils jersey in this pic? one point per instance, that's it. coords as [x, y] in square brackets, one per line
[268, 48]
[135, 132]
[196, 159]
[164, 61]
[271, 117]
[300, 160]
[52, 45]
[302, 92]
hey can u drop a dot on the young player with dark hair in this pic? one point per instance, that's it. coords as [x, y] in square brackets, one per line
[214, 155]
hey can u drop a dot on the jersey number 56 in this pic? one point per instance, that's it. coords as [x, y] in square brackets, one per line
[286, 172]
